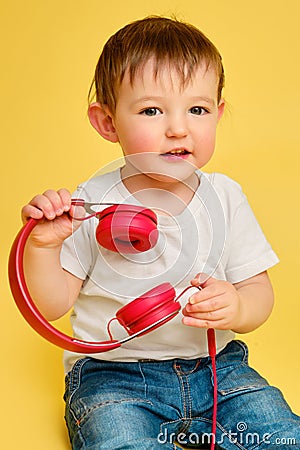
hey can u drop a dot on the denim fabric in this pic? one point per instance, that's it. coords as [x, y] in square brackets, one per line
[160, 404]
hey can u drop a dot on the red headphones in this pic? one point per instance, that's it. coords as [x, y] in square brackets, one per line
[121, 228]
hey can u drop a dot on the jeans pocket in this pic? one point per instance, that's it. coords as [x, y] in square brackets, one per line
[234, 375]
[239, 378]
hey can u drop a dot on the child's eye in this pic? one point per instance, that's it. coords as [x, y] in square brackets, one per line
[198, 110]
[150, 111]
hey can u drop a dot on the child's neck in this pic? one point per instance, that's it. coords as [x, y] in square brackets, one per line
[167, 197]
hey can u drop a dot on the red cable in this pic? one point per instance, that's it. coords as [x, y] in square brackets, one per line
[211, 338]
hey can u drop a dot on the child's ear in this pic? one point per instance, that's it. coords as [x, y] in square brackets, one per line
[101, 120]
[221, 107]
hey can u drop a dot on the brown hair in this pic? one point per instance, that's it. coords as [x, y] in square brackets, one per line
[170, 41]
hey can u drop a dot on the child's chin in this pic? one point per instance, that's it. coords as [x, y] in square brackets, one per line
[167, 178]
[172, 173]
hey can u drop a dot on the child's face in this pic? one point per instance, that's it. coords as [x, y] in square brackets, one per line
[173, 124]
[160, 117]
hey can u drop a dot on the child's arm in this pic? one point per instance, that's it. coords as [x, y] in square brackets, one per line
[53, 289]
[241, 307]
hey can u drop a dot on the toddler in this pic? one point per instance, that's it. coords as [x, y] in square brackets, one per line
[158, 87]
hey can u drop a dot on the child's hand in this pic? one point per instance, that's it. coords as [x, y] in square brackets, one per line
[56, 224]
[217, 305]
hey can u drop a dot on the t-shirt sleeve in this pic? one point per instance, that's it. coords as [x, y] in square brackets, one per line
[249, 251]
[75, 255]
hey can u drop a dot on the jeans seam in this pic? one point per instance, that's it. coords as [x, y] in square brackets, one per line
[109, 402]
[245, 350]
[144, 379]
[74, 383]
[75, 377]
[189, 398]
[246, 387]
[189, 372]
[176, 367]
[185, 393]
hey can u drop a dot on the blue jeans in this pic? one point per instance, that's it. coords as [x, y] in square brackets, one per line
[160, 404]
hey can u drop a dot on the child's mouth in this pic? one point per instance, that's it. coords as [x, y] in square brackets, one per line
[177, 153]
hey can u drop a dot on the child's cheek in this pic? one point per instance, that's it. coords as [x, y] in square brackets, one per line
[139, 142]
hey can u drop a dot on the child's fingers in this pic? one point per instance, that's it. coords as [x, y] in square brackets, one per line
[41, 203]
[29, 211]
[50, 205]
[199, 323]
[55, 205]
[209, 292]
[212, 315]
[206, 306]
[65, 199]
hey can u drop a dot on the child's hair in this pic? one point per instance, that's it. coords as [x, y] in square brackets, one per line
[168, 41]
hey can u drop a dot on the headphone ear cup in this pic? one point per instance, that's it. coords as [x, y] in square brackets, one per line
[127, 229]
[147, 310]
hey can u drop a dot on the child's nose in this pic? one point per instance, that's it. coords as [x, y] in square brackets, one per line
[176, 127]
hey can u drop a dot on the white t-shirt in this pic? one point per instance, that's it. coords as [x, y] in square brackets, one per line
[216, 234]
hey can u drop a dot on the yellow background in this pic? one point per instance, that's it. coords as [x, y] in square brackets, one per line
[49, 51]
